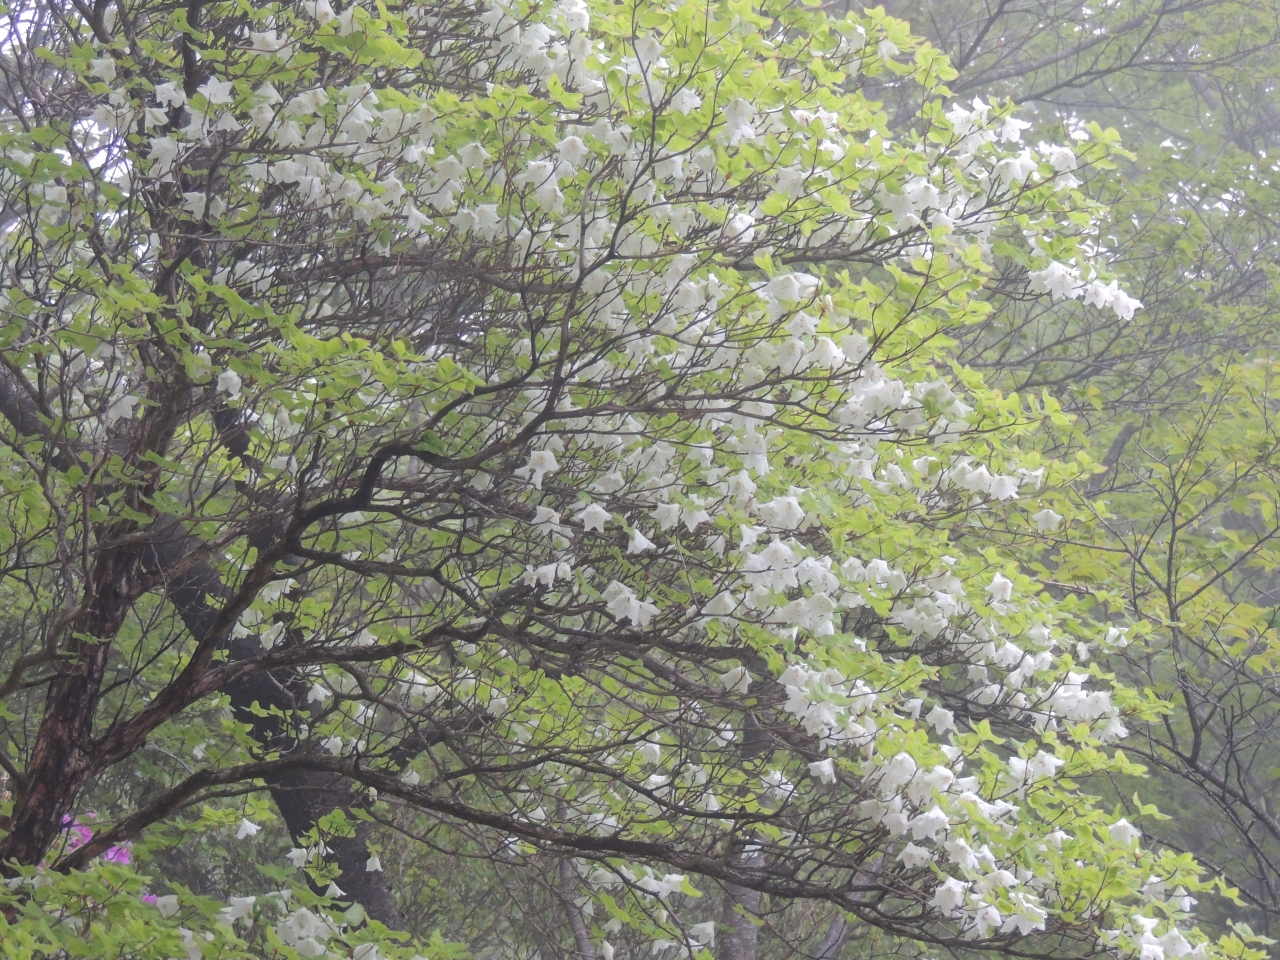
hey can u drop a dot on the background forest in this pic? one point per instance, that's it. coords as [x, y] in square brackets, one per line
[617, 479]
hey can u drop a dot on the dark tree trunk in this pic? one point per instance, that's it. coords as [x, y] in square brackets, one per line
[302, 796]
[62, 757]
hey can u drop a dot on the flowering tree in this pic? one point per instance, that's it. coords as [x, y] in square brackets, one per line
[540, 421]
[1176, 405]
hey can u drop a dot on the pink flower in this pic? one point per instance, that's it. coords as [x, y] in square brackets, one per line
[80, 835]
[119, 854]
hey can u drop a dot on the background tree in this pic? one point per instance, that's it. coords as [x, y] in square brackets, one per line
[1175, 405]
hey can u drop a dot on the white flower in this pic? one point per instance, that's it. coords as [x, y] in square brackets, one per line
[1175, 944]
[740, 228]
[722, 606]
[215, 90]
[1046, 520]
[791, 287]
[194, 202]
[333, 745]
[575, 15]
[1011, 129]
[639, 542]
[265, 42]
[271, 636]
[777, 787]
[1004, 487]
[241, 909]
[104, 69]
[948, 896]
[986, 918]
[347, 20]
[693, 514]
[1062, 158]
[168, 906]
[1125, 305]
[1101, 294]
[897, 773]
[572, 150]
[546, 520]
[373, 864]
[1057, 279]
[164, 151]
[548, 573]
[247, 829]
[855, 347]
[929, 824]
[229, 383]
[686, 101]
[1115, 636]
[298, 857]
[783, 512]
[593, 517]
[666, 515]
[823, 770]
[913, 856]
[648, 49]
[1000, 589]
[623, 604]
[121, 408]
[169, 94]
[704, 933]
[318, 10]
[662, 887]
[1123, 832]
[541, 462]
[1013, 170]
[649, 752]
[941, 720]
[334, 891]
[473, 155]
[737, 680]
[542, 176]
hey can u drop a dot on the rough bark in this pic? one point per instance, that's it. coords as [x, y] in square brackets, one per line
[62, 755]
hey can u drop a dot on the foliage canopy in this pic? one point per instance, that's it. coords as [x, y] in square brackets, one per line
[542, 433]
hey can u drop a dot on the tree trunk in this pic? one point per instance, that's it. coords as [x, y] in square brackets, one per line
[62, 757]
[302, 796]
[835, 938]
[741, 906]
[581, 938]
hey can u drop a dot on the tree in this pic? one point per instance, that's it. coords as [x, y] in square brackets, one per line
[539, 426]
[1176, 404]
